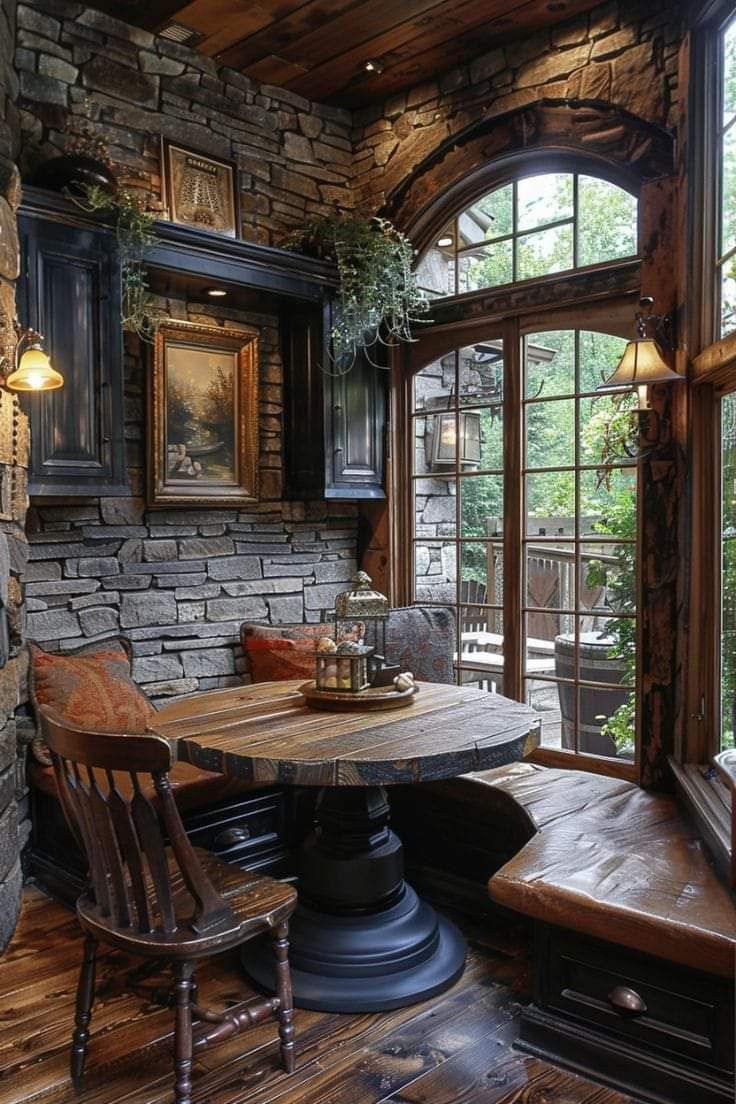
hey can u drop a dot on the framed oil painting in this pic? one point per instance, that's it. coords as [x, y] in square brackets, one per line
[200, 190]
[203, 424]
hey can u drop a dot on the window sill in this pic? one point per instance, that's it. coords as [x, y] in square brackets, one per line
[708, 799]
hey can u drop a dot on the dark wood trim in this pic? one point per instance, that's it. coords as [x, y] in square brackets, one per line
[611, 768]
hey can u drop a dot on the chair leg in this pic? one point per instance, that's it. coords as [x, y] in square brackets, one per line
[83, 1015]
[183, 973]
[283, 992]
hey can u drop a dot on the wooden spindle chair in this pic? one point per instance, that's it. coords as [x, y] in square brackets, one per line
[151, 893]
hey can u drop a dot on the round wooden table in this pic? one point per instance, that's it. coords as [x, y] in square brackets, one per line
[361, 938]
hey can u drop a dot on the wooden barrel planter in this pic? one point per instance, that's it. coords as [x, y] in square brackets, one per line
[596, 705]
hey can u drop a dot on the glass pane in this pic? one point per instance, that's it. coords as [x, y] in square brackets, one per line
[481, 506]
[480, 373]
[608, 502]
[434, 385]
[436, 270]
[606, 722]
[607, 578]
[550, 433]
[545, 252]
[434, 508]
[423, 429]
[544, 699]
[550, 579]
[607, 429]
[488, 218]
[729, 71]
[482, 572]
[435, 572]
[728, 191]
[728, 296]
[607, 221]
[550, 504]
[728, 570]
[549, 360]
[599, 355]
[481, 657]
[543, 199]
[487, 266]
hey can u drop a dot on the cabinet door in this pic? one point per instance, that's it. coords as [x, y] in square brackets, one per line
[304, 451]
[357, 420]
[71, 294]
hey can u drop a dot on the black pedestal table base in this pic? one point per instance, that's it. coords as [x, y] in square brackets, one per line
[361, 939]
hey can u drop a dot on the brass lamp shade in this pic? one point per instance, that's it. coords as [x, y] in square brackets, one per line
[640, 365]
[34, 373]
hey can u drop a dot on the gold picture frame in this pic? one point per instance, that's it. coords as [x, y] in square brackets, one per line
[203, 416]
[200, 190]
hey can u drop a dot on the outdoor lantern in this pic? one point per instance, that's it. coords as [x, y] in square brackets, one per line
[444, 439]
[342, 667]
[361, 617]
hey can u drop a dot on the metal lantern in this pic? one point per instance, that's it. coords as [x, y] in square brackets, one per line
[342, 667]
[361, 615]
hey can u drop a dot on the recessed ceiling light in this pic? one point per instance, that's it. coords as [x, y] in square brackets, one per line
[216, 293]
[445, 241]
[373, 65]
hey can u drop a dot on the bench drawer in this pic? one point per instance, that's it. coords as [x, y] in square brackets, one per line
[653, 1004]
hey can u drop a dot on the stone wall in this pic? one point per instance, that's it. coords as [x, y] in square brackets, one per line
[14, 823]
[624, 53]
[179, 582]
[79, 68]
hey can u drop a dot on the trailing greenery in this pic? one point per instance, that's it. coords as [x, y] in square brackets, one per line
[379, 299]
[135, 236]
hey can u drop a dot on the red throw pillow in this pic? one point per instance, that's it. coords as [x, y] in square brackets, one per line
[90, 687]
[286, 652]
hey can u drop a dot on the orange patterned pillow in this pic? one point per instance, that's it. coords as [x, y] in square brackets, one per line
[90, 687]
[283, 652]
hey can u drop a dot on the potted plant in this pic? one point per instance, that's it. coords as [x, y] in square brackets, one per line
[85, 163]
[378, 299]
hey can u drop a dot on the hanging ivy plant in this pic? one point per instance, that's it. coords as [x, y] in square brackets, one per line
[378, 299]
[135, 236]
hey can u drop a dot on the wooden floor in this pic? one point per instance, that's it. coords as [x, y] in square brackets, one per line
[455, 1049]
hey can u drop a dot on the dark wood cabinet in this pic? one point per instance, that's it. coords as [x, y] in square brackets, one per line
[70, 292]
[335, 425]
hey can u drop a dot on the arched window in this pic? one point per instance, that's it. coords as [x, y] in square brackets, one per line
[528, 228]
[520, 501]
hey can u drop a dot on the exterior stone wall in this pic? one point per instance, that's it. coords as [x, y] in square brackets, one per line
[179, 582]
[624, 53]
[80, 68]
[14, 823]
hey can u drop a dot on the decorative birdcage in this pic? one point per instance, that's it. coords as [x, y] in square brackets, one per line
[361, 614]
[343, 667]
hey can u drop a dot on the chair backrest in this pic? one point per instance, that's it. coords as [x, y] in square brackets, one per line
[135, 885]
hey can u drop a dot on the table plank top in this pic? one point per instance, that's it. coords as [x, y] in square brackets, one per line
[266, 733]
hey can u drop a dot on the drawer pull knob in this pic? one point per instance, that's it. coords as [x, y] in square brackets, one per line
[626, 1001]
[230, 837]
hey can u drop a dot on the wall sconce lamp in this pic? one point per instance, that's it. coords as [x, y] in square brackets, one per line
[32, 369]
[443, 440]
[642, 363]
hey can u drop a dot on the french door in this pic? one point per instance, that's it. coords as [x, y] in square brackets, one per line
[520, 515]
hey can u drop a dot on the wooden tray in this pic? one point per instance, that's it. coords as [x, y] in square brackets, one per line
[376, 697]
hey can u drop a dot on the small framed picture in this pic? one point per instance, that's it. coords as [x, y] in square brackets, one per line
[200, 190]
[203, 416]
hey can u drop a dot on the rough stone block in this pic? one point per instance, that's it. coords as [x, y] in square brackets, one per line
[285, 610]
[171, 688]
[34, 86]
[98, 566]
[184, 580]
[53, 625]
[195, 548]
[158, 550]
[96, 621]
[122, 511]
[191, 611]
[207, 663]
[57, 68]
[235, 567]
[151, 608]
[11, 890]
[236, 609]
[156, 668]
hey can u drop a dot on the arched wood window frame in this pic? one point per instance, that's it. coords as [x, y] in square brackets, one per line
[602, 297]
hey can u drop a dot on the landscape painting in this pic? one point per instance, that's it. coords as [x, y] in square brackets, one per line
[204, 407]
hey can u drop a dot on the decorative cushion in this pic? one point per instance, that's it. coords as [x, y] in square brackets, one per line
[90, 687]
[283, 651]
[421, 639]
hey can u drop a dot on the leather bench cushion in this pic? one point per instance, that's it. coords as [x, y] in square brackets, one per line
[193, 788]
[617, 863]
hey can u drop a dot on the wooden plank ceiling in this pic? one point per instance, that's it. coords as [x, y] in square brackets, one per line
[319, 48]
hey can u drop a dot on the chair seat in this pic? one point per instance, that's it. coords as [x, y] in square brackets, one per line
[193, 788]
[256, 904]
